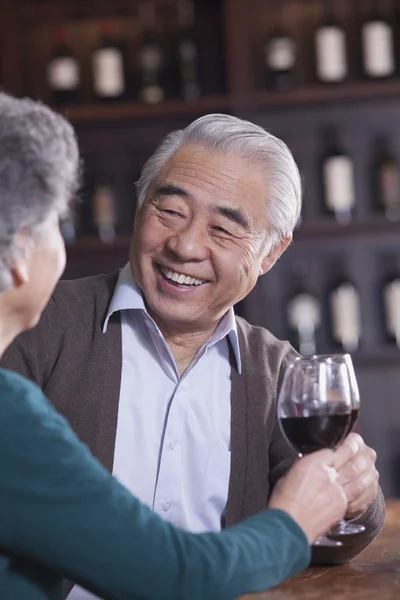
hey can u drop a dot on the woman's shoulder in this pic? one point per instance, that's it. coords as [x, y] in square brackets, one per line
[26, 414]
[12, 382]
[20, 397]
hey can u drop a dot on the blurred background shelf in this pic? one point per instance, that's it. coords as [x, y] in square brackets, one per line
[92, 113]
[344, 93]
[327, 229]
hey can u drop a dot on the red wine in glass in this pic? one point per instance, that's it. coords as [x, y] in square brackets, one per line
[308, 434]
[353, 419]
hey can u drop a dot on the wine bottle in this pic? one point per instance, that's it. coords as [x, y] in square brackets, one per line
[150, 57]
[330, 48]
[188, 51]
[104, 214]
[345, 313]
[391, 303]
[377, 44]
[303, 314]
[386, 184]
[280, 55]
[109, 79]
[63, 71]
[338, 180]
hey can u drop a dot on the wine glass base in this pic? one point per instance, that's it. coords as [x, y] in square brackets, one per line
[348, 529]
[324, 540]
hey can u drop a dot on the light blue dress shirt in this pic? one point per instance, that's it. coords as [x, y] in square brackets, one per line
[172, 446]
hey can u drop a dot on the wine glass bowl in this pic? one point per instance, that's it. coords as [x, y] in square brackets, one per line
[314, 406]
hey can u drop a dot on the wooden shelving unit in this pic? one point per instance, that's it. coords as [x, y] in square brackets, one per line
[105, 113]
[343, 93]
[327, 229]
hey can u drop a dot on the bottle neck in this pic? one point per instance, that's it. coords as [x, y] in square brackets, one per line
[332, 146]
[185, 10]
[107, 32]
[375, 12]
[60, 37]
[147, 17]
[328, 12]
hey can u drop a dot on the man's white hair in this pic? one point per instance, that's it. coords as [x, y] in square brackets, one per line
[231, 135]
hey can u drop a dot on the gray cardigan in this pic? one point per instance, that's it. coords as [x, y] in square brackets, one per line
[79, 369]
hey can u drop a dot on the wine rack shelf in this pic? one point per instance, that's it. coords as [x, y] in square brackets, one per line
[306, 97]
[309, 95]
[92, 113]
[320, 230]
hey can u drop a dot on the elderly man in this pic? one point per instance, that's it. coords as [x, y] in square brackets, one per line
[170, 391]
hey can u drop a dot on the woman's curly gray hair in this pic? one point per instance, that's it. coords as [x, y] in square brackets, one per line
[39, 172]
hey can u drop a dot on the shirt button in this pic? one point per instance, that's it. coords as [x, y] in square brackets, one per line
[172, 444]
[166, 506]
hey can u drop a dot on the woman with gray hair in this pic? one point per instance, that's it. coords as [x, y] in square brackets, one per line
[61, 513]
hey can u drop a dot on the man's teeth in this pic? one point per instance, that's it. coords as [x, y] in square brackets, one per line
[180, 278]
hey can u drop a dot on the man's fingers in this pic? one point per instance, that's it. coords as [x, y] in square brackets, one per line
[348, 450]
[363, 489]
[359, 506]
[354, 468]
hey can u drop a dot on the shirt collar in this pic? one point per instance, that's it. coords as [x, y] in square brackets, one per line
[128, 296]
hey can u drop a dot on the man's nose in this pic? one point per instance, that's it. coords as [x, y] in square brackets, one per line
[189, 243]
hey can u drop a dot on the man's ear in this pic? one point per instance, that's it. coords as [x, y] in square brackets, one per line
[276, 251]
[20, 267]
[20, 273]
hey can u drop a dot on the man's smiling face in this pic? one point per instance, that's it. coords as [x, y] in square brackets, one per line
[199, 241]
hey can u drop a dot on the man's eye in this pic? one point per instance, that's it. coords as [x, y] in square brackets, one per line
[171, 212]
[221, 230]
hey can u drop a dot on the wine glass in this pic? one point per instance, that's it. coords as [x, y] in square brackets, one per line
[344, 527]
[354, 392]
[314, 407]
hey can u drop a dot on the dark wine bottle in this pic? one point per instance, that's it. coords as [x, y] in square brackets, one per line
[104, 210]
[280, 55]
[391, 302]
[109, 79]
[150, 57]
[344, 310]
[377, 44]
[303, 313]
[386, 181]
[338, 180]
[188, 51]
[63, 76]
[330, 48]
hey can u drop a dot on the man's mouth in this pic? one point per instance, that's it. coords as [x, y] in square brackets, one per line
[177, 278]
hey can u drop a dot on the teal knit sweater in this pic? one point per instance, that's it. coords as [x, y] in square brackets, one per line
[62, 515]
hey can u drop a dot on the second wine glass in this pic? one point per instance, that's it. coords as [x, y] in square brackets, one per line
[314, 407]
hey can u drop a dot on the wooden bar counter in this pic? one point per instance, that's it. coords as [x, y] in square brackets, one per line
[374, 575]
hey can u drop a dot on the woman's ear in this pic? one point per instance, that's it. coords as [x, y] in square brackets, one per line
[275, 252]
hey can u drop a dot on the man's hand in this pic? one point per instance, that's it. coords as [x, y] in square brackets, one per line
[357, 474]
[310, 493]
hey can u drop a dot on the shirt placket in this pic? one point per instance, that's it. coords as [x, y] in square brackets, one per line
[168, 491]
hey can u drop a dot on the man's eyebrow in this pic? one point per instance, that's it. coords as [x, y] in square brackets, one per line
[235, 215]
[171, 190]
